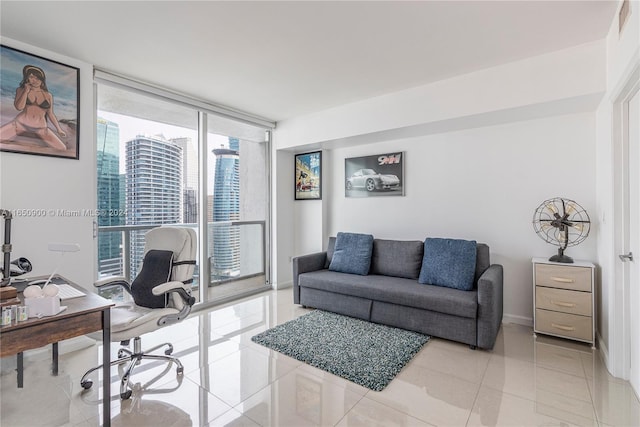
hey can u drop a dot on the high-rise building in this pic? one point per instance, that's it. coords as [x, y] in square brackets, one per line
[154, 188]
[189, 180]
[109, 197]
[225, 240]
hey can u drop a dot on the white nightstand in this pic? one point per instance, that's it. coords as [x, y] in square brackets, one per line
[564, 299]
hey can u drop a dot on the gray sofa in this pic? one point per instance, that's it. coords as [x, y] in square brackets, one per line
[390, 294]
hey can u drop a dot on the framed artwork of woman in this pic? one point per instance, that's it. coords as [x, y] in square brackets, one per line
[39, 105]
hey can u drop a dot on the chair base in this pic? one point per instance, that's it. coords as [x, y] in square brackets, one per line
[133, 358]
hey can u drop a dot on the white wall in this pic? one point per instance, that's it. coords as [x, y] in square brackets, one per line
[480, 184]
[282, 244]
[623, 56]
[483, 150]
[49, 183]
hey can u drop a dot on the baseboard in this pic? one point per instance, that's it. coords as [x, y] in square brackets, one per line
[518, 320]
[604, 351]
[283, 285]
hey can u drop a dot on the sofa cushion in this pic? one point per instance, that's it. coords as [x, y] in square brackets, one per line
[394, 290]
[449, 262]
[483, 261]
[397, 258]
[331, 245]
[352, 253]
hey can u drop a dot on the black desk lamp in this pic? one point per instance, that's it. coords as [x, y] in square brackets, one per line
[6, 247]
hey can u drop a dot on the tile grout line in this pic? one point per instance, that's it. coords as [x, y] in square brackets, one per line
[473, 405]
[351, 409]
[593, 403]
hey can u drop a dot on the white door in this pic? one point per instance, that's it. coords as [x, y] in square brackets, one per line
[634, 239]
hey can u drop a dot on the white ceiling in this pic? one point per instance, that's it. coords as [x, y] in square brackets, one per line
[284, 59]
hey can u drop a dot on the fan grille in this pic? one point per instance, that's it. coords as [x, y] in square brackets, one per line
[561, 222]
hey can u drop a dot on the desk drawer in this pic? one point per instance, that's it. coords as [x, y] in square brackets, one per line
[567, 325]
[559, 276]
[562, 300]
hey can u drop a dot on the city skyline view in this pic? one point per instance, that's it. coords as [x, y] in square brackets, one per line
[131, 127]
[149, 171]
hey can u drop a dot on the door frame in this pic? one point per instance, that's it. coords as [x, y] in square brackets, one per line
[619, 291]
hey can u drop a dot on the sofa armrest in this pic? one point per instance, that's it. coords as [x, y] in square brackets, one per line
[490, 297]
[306, 264]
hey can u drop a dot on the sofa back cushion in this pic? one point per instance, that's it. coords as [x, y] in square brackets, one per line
[449, 262]
[482, 260]
[397, 258]
[352, 253]
[330, 248]
[482, 257]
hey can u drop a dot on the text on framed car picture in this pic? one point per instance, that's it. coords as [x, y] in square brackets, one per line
[378, 175]
[308, 176]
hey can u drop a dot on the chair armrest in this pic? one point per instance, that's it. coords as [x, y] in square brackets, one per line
[112, 281]
[168, 287]
[178, 287]
[306, 264]
[490, 297]
[184, 291]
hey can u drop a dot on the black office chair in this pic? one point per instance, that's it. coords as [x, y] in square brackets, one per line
[161, 296]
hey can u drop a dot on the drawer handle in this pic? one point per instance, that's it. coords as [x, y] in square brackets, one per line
[564, 328]
[563, 304]
[562, 280]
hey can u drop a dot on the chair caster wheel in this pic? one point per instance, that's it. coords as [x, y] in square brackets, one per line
[169, 350]
[125, 395]
[179, 371]
[86, 384]
[121, 354]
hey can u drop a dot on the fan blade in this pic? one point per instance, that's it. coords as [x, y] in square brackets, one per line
[578, 227]
[552, 207]
[546, 227]
[570, 208]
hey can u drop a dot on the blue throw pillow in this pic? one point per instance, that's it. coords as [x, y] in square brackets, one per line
[449, 262]
[352, 253]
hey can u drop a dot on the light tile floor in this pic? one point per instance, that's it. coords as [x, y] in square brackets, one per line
[230, 381]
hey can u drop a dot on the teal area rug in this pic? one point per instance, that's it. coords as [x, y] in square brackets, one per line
[362, 352]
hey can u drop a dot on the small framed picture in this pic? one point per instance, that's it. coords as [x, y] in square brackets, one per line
[39, 105]
[308, 176]
[374, 176]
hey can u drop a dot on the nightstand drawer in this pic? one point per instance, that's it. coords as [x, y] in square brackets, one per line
[572, 302]
[567, 325]
[559, 276]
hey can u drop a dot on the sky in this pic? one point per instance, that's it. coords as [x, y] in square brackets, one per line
[130, 127]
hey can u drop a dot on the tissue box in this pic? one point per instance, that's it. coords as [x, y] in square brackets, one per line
[42, 306]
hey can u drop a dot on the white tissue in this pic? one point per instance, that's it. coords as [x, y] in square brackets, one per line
[50, 290]
[32, 291]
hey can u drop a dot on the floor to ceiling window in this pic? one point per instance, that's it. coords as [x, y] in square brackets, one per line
[160, 164]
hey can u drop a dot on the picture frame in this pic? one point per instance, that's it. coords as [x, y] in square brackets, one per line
[39, 105]
[308, 176]
[380, 175]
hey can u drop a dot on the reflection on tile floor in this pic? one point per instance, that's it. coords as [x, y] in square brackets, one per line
[230, 381]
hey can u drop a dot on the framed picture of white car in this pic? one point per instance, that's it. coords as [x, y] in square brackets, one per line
[379, 175]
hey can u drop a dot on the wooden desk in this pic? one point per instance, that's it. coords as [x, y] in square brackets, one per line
[83, 315]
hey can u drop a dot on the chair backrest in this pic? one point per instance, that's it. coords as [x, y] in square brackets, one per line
[183, 242]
